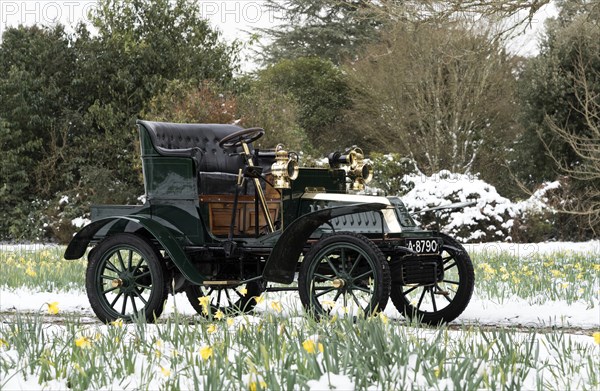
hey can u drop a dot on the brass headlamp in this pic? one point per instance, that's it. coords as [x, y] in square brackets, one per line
[358, 171]
[285, 168]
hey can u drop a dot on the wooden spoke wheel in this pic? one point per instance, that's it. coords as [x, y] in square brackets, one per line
[125, 279]
[345, 274]
[445, 300]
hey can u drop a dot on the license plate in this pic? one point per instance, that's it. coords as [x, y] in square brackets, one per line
[424, 246]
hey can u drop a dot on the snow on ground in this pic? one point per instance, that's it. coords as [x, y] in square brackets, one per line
[515, 312]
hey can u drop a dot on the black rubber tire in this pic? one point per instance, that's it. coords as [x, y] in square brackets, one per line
[451, 250]
[244, 303]
[141, 275]
[327, 252]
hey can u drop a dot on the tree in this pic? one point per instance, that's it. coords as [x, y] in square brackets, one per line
[36, 68]
[328, 29]
[551, 88]
[585, 146]
[338, 29]
[560, 94]
[68, 103]
[442, 95]
[321, 91]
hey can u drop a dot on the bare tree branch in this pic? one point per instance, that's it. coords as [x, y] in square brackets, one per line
[585, 145]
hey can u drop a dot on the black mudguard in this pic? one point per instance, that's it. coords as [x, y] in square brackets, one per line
[281, 265]
[78, 245]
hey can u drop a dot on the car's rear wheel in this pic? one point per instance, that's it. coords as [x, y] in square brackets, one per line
[230, 300]
[125, 278]
[445, 300]
[345, 274]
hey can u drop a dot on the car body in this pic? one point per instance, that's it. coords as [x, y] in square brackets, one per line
[224, 222]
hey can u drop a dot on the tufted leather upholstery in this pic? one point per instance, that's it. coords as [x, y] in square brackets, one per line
[198, 141]
[217, 170]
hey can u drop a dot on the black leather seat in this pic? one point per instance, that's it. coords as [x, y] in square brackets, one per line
[217, 169]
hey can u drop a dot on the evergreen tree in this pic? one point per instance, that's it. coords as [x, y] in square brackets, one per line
[329, 29]
[68, 105]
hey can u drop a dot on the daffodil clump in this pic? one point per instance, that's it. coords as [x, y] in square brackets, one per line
[43, 269]
[538, 278]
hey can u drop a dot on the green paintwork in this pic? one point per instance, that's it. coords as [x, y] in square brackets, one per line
[172, 191]
[165, 234]
[166, 177]
[166, 237]
[333, 181]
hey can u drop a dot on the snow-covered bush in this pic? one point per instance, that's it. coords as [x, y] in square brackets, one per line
[490, 219]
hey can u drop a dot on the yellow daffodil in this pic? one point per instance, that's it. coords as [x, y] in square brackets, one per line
[311, 347]
[30, 272]
[328, 304]
[596, 336]
[230, 322]
[253, 386]
[243, 291]
[259, 299]
[117, 323]
[205, 303]
[219, 315]
[212, 328]
[206, 352]
[204, 300]
[384, 319]
[83, 342]
[53, 307]
[165, 371]
[276, 306]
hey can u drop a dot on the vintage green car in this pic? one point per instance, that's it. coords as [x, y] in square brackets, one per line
[224, 222]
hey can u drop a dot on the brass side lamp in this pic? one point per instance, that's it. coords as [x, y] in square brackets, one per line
[285, 169]
[353, 160]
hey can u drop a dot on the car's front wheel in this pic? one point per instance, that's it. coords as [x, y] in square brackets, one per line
[344, 273]
[445, 300]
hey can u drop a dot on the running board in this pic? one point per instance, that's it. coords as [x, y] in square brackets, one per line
[221, 282]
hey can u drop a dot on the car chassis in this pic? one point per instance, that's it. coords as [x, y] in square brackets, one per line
[224, 222]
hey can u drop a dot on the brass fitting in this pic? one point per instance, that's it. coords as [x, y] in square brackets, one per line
[285, 169]
[357, 170]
